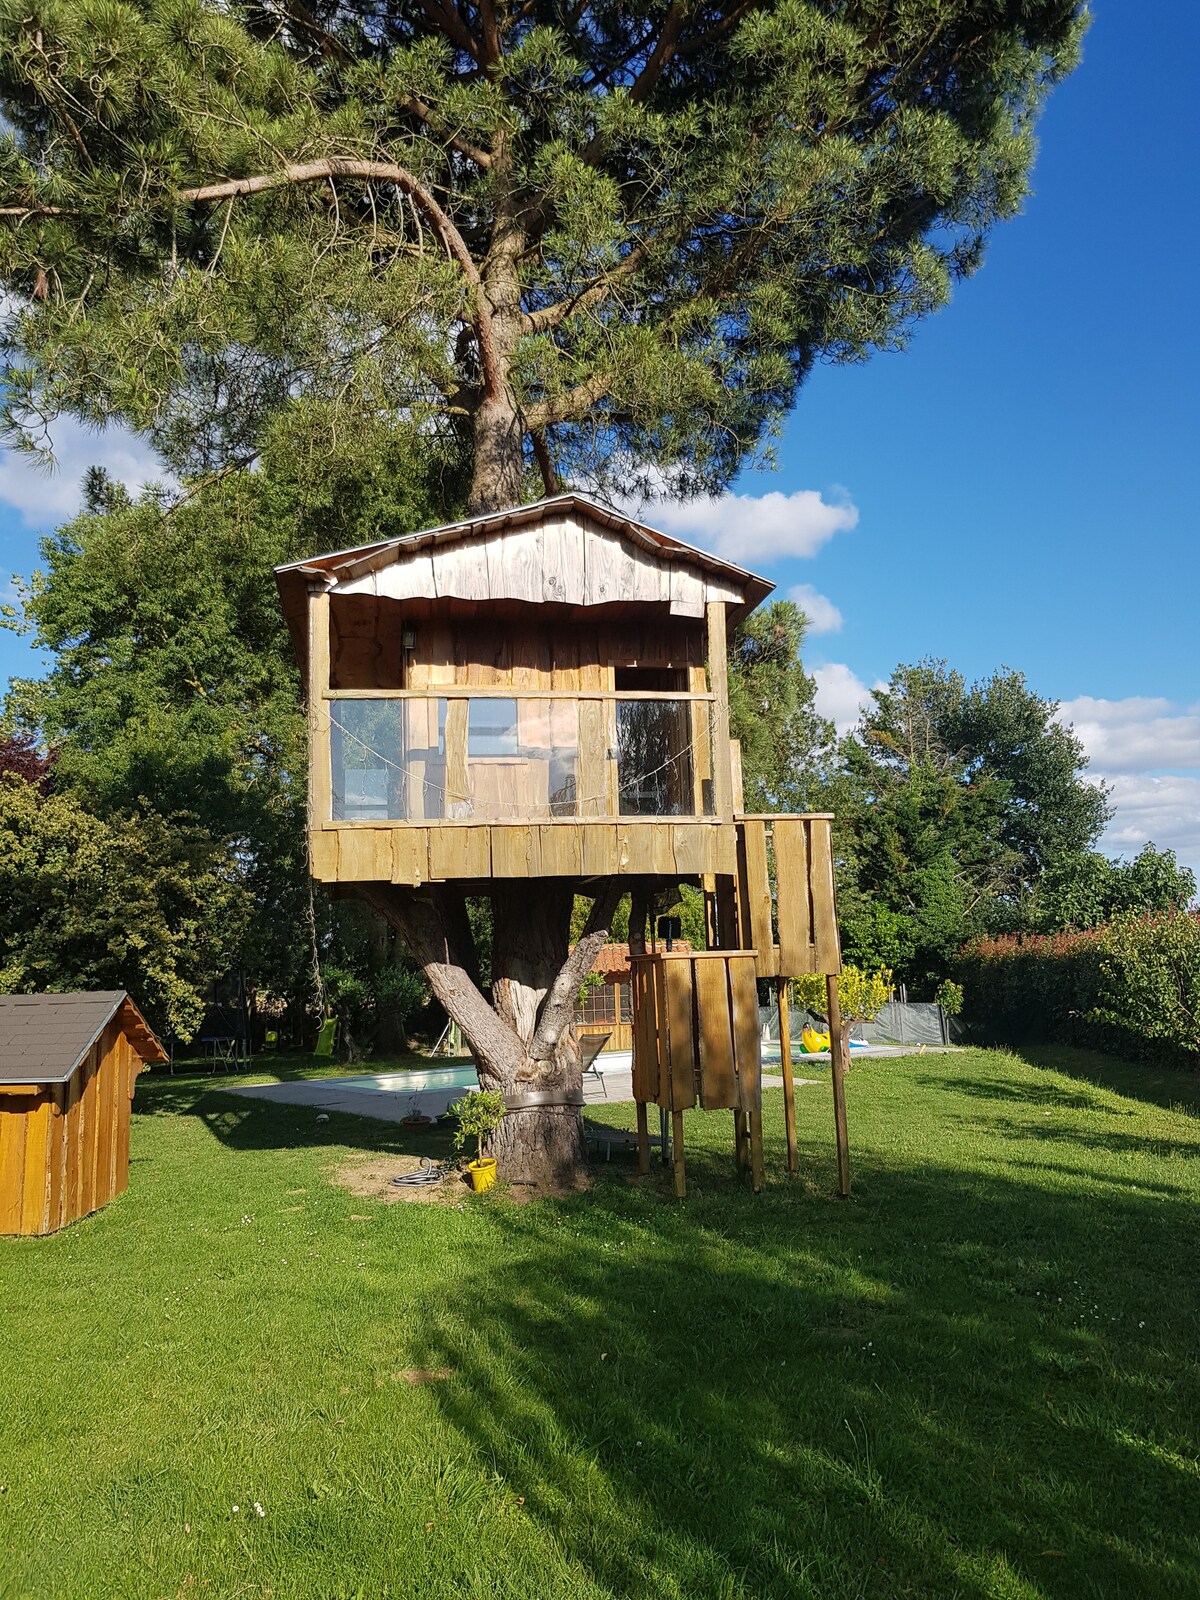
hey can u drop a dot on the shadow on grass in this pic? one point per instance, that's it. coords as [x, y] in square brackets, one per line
[941, 1389]
[245, 1123]
[1172, 1088]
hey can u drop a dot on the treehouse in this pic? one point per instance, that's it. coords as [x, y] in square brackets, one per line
[537, 693]
[541, 694]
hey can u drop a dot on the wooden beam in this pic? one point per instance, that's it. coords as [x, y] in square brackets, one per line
[789, 1086]
[320, 754]
[677, 1152]
[718, 682]
[839, 1050]
[643, 1139]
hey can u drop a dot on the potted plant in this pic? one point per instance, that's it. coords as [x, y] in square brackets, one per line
[479, 1114]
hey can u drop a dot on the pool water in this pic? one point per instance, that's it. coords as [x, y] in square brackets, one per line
[415, 1082]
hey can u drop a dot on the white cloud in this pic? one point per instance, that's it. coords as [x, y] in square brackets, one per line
[46, 498]
[745, 528]
[823, 616]
[841, 694]
[1165, 809]
[1136, 734]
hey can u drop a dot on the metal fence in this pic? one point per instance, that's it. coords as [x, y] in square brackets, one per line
[900, 1022]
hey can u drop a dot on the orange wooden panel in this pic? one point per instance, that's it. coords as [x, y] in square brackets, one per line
[36, 1197]
[678, 981]
[106, 1112]
[796, 953]
[73, 1137]
[747, 1039]
[58, 1154]
[718, 1076]
[89, 1131]
[12, 1163]
[125, 1083]
[828, 952]
[645, 1032]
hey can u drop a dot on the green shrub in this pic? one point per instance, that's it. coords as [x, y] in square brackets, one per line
[479, 1113]
[1132, 988]
[1151, 974]
[862, 995]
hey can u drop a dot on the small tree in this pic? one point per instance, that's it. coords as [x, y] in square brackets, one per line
[863, 994]
[479, 1113]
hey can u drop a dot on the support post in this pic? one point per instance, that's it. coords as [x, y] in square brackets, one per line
[838, 1051]
[718, 683]
[789, 1086]
[320, 753]
[754, 1118]
[643, 1139]
[741, 1141]
[677, 1146]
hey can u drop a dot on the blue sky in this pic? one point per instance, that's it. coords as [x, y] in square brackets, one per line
[1018, 486]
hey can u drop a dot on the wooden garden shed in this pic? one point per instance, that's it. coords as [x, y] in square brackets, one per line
[68, 1063]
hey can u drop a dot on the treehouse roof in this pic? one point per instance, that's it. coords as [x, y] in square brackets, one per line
[569, 550]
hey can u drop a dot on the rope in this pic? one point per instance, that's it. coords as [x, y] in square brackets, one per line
[517, 811]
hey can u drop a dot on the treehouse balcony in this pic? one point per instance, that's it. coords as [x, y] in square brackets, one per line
[537, 693]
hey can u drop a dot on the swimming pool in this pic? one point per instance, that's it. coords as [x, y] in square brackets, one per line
[414, 1082]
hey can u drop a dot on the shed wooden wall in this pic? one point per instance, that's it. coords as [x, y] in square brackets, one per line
[64, 1148]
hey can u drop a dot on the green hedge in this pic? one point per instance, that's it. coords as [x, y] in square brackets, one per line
[1132, 987]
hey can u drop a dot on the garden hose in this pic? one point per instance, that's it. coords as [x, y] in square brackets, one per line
[425, 1173]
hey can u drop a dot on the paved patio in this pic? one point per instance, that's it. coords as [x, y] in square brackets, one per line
[611, 1082]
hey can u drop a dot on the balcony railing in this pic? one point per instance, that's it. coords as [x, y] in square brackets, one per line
[504, 758]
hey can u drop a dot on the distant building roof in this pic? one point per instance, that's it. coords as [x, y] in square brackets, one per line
[44, 1037]
[613, 959]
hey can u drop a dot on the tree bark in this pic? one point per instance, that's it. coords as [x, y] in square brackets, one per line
[524, 1042]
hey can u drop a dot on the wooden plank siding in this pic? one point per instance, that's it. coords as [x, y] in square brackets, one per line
[64, 1147]
[413, 853]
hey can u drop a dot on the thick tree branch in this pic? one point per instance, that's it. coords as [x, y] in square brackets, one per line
[541, 454]
[421, 923]
[565, 407]
[558, 1008]
[551, 316]
[379, 172]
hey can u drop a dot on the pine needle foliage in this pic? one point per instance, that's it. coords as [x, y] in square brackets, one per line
[613, 238]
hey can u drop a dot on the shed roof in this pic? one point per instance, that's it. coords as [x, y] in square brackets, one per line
[745, 590]
[44, 1037]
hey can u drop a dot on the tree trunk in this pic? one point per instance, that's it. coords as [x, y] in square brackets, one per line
[524, 1042]
[498, 473]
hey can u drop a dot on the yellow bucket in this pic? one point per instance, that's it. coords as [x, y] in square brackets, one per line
[483, 1173]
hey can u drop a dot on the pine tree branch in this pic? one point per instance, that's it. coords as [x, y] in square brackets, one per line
[452, 241]
[565, 407]
[551, 316]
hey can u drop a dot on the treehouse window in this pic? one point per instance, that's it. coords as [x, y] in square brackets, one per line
[492, 728]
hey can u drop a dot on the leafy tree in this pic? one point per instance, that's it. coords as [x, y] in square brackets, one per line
[135, 901]
[862, 993]
[952, 803]
[601, 239]
[173, 686]
[1087, 889]
[600, 235]
[786, 745]
[21, 756]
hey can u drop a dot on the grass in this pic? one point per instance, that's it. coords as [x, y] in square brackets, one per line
[976, 1378]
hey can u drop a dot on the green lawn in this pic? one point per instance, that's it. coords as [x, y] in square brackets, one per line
[978, 1377]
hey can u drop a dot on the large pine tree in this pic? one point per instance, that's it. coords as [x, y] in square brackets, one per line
[600, 242]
